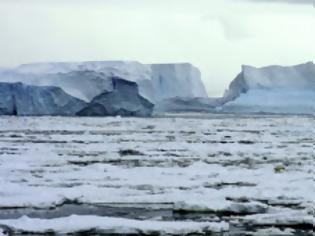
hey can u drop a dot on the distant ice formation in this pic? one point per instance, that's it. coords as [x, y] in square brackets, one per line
[86, 80]
[272, 89]
[170, 87]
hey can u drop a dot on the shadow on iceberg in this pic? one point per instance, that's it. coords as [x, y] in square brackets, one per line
[28, 100]
[123, 100]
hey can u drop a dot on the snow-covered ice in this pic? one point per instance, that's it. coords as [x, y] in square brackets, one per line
[112, 225]
[171, 174]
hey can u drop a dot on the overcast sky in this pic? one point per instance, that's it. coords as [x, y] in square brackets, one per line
[218, 36]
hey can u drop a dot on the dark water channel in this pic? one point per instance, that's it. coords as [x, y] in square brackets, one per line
[162, 211]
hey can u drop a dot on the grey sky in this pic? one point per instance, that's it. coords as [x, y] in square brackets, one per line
[218, 36]
[310, 2]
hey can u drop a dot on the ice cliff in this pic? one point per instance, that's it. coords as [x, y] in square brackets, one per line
[272, 89]
[123, 100]
[85, 80]
[176, 80]
[171, 87]
[20, 99]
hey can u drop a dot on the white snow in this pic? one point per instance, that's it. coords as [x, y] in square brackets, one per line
[199, 164]
[289, 217]
[272, 232]
[130, 70]
[76, 223]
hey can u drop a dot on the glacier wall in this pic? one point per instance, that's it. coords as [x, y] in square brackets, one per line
[177, 80]
[272, 89]
[25, 100]
[85, 80]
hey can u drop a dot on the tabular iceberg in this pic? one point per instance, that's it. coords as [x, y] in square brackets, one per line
[272, 89]
[177, 80]
[172, 87]
[85, 80]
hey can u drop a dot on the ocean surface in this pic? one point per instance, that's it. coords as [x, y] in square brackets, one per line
[187, 174]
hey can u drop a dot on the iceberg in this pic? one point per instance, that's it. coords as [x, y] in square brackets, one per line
[171, 87]
[272, 89]
[177, 80]
[123, 100]
[85, 80]
[28, 100]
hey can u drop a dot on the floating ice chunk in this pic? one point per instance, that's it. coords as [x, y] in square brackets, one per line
[76, 223]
